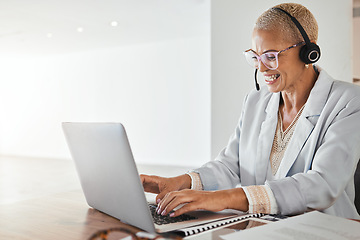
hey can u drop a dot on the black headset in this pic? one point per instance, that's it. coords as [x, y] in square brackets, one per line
[310, 52]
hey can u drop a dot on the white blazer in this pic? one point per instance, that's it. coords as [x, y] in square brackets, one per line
[317, 171]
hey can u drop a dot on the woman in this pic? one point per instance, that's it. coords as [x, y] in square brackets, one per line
[296, 145]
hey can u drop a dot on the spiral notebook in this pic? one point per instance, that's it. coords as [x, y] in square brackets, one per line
[111, 182]
[185, 232]
[219, 233]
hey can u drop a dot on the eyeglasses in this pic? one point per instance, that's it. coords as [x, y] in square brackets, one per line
[269, 59]
[113, 234]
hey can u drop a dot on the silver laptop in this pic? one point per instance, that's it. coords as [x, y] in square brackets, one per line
[110, 180]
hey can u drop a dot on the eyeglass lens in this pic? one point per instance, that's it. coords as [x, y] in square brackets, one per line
[269, 59]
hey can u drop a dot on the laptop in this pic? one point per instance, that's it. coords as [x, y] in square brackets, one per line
[110, 180]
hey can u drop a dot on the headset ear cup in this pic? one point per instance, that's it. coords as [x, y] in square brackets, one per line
[310, 53]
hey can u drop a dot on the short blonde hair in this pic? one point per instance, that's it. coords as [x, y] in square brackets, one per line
[275, 19]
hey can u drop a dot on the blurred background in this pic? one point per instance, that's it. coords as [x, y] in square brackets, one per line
[172, 71]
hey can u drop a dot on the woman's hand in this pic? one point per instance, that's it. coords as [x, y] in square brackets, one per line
[162, 186]
[206, 200]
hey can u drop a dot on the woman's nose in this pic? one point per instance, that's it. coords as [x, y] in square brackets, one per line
[262, 67]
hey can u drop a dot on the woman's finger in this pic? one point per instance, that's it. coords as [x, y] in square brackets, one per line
[175, 199]
[165, 201]
[161, 196]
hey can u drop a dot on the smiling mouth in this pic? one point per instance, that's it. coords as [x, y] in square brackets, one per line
[269, 79]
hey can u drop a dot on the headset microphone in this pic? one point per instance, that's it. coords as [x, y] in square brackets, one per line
[256, 82]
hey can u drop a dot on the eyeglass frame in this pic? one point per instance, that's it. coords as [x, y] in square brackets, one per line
[275, 54]
[104, 234]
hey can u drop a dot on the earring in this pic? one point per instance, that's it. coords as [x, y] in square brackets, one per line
[307, 65]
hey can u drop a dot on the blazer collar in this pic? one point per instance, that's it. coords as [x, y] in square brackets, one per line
[318, 95]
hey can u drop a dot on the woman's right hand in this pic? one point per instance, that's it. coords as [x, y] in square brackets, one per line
[162, 186]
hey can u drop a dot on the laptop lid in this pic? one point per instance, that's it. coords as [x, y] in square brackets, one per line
[107, 171]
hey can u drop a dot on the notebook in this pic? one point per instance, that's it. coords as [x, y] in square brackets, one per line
[111, 183]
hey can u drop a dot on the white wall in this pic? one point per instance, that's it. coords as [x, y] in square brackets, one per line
[232, 78]
[356, 42]
[160, 91]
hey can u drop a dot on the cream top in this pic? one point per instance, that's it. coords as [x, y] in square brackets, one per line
[281, 141]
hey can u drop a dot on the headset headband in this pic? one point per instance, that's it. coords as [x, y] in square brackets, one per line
[298, 25]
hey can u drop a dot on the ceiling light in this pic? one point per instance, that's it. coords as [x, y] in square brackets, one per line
[114, 23]
[80, 29]
[49, 35]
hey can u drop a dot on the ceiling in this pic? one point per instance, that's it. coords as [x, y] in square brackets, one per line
[53, 26]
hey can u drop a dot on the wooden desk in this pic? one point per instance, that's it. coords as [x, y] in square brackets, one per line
[57, 216]
[42, 199]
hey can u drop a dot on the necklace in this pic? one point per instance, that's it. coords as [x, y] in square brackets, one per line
[281, 140]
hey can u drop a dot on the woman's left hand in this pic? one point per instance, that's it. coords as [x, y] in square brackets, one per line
[205, 200]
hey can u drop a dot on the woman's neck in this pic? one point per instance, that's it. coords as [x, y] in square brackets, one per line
[293, 100]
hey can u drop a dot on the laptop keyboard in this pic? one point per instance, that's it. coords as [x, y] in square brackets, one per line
[161, 220]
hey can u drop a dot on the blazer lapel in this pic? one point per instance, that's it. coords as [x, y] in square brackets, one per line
[265, 140]
[302, 132]
[306, 122]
